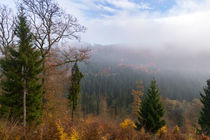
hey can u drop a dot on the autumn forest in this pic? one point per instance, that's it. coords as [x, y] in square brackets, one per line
[53, 89]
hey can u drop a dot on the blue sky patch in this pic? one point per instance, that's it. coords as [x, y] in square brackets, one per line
[101, 8]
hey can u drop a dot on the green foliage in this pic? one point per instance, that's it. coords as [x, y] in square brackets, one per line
[75, 86]
[23, 64]
[115, 84]
[204, 119]
[181, 120]
[151, 111]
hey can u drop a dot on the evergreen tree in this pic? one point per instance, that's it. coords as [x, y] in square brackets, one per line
[74, 88]
[22, 91]
[204, 119]
[151, 111]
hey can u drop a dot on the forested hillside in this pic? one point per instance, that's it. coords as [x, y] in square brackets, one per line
[114, 71]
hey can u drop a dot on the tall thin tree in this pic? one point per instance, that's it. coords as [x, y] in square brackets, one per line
[74, 88]
[137, 95]
[22, 89]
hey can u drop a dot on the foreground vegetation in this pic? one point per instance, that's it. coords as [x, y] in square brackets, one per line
[91, 128]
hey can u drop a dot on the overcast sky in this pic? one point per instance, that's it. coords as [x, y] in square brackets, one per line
[184, 23]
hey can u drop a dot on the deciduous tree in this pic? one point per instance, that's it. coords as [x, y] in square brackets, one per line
[137, 94]
[6, 30]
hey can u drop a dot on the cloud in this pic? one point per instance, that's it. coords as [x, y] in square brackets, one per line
[96, 8]
[126, 4]
[185, 24]
[10, 3]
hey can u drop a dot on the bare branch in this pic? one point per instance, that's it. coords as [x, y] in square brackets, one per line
[50, 24]
[70, 55]
[6, 29]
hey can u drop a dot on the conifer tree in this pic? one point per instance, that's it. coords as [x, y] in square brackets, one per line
[204, 119]
[151, 111]
[74, 88]
[22, 91]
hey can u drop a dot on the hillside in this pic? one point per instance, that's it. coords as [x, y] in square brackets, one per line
[180, 74]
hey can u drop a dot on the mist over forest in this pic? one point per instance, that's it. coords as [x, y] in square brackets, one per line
[180, 72]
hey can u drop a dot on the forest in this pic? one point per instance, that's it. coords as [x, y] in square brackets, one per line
[51, 89]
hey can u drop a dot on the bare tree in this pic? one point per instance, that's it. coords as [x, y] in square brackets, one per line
[6, 29]
[70, 55]
[50, 24]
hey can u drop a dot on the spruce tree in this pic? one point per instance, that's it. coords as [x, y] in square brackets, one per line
[151, 111]
[204, 119]
[21, 77]
[74, 88]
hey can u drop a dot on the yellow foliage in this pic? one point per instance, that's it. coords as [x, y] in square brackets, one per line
[191, 138]
[62, 135]
[88, 121]
[142, 131]
[162, 131]
[75, 135]
[50, 115]
[176, 130]
[127, 123]
[18, 138]
[136, 98]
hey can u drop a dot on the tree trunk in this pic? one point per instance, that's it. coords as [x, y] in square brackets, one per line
[44, 73]
[72, 114]
[24, 107]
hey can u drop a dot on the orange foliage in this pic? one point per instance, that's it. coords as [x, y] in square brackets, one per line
[136, 99]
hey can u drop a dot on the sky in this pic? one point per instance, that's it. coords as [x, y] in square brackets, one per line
[148, 23]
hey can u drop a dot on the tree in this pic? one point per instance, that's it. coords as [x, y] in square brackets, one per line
[74, 88]
[50, 24]
[6, 29]
[137, 99]
[204, 119]
[151, 111]
[22, 91]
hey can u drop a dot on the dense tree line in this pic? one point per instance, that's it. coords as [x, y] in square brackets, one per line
[115, 84]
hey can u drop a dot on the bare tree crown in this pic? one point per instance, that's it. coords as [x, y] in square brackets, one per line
[6, 29]
[50, 24]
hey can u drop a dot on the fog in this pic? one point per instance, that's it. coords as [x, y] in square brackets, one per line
[181, 74]
[168, 58]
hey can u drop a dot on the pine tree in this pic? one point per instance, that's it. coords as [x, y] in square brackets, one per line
[22, 91]
[74, 88]
[151, 111]
[204, 119]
